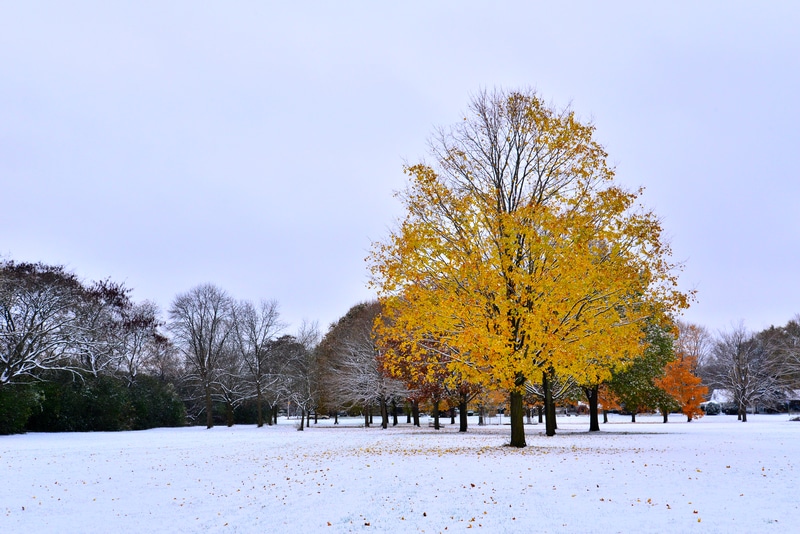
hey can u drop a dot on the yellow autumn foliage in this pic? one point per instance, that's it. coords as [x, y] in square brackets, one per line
[518, 255]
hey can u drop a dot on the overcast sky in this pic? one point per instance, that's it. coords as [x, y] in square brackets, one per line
[257, 145]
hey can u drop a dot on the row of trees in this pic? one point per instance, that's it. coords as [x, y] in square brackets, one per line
[82, 356]
[69, 349]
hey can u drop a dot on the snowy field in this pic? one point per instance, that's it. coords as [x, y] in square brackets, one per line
[712, 475]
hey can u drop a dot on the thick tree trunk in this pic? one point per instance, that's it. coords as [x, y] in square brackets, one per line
[481, 409]
[415, 412]
[605, 416]
[394, 412]
[633, 417]
[744, 414]
[366, 417]
[336, 417]
[517, 420]
[462, 414]
[540, 409]
[549, 407]
[665, 413]
[452, 416]
[308, 418]
[436, 425]
[407, 406]
[592, 397]
[275, 414]
[302, 420]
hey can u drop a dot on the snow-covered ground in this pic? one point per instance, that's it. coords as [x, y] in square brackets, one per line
[711, 475]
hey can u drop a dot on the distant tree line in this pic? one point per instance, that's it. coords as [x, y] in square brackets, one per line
[78, 356]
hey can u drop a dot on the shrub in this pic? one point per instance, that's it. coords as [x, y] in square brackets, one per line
[17, 403]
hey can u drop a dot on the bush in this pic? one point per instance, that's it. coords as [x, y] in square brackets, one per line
[155, 404]
[81, 405]
[711, 408]
[17, 403]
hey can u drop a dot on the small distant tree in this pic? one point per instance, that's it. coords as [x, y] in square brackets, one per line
[681, 384]
[635, 386]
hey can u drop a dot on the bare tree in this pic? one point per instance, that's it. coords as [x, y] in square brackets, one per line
[303, 370]
[746, 366]
[694, 341]
[200, 321]
[38, 317]
[139, 338]
[354, 371]
[254, 331]
[231, 385]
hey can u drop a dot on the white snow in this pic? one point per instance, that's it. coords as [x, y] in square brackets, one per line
[711, 475]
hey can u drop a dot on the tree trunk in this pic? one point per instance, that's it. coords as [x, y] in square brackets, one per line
[275, 414]
[229, 413]
[259, 409]
[549, 407]
[540, 409]
[384, 413]
[462, 414]
[336, 417]
[308, 418]
[302, 420]
[517, 419]
[209, 408]
[481, 422]
[415, 412]
[407, 407]
[744, 414]
[665, 413]
[592, 397]
[436, 415]
[366, 417]
[452, 416]
[268, 414]
[633, 417]
[316, 416]
[394, 412]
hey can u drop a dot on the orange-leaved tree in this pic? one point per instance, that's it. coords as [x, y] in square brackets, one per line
[680, 383]
[519, 256]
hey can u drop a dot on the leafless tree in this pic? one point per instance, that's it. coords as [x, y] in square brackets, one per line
[254, 331]
[200, 322]
[38, 319]
[302, 369]
[354, 372]
[746, 365]
[694, 341]
[140, 341]
[231, 384]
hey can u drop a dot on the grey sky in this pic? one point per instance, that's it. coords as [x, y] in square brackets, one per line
[257, 145]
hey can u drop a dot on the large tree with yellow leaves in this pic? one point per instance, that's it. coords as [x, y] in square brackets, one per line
[518, 256]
